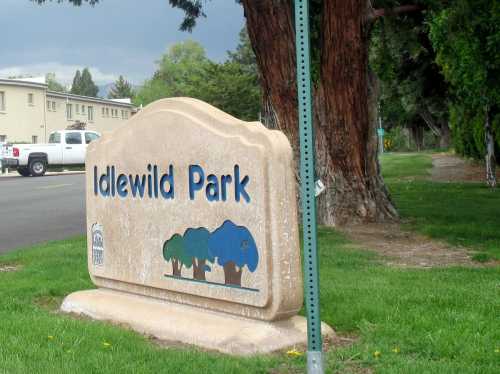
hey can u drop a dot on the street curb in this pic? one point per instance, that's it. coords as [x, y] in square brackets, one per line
[49, 174]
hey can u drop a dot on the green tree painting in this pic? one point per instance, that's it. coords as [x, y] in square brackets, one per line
[174, 250]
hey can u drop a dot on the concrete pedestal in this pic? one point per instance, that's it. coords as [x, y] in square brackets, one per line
[190, 325]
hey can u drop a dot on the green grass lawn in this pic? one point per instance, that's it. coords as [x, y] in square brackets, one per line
[418, 321]
[466, 214]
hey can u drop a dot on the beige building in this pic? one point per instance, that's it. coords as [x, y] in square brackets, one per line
[29, 112]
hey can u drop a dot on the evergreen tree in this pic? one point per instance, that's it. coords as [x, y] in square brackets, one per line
[244, 54]
[88, 87]
[76, 87]
[122, 89]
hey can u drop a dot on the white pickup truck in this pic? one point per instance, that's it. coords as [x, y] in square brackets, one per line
[66, 147]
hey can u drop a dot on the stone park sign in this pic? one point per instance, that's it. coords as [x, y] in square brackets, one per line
[192, 230]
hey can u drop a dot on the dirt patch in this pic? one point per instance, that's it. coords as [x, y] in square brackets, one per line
[451, 168]
[408, 249]
[8, 268]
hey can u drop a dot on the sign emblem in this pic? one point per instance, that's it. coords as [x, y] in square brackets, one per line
[97, 245]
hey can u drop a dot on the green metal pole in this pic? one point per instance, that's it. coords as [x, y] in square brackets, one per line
[311, 286]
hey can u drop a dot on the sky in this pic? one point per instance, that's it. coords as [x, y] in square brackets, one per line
[116, 37]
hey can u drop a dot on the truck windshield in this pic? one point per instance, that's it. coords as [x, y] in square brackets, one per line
[55, 138]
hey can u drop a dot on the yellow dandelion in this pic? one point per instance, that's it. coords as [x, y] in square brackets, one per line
[396, 350]
[376, 354]
[294, 353]
[50, 337]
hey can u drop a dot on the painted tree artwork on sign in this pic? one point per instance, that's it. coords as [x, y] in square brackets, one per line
[234, 248]
[196, 245]
[174, 250]
[230, 246]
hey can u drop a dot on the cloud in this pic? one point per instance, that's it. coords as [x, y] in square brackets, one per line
[64, 73]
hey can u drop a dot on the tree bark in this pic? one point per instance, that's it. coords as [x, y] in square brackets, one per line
[346, 142]
[445, 139]
[491, 179]
[232, 276]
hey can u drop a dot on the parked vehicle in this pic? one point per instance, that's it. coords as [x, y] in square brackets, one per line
[65, 147]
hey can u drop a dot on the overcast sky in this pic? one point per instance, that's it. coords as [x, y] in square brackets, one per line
[114, 37]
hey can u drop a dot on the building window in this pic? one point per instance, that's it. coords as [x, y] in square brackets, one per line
[48, 104]
[31, 99]
[34, 139]
[77, 106]
[2, 101]
[91, 114]
[69, 111]
[103, 112]
[107, 112]
[83, 109]
[3, 138]
[54, 106]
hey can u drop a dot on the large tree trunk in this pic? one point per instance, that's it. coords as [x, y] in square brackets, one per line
[491, 179]
[344, 110]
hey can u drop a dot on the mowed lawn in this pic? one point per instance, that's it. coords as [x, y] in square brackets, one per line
[465, 214]
[403, 320]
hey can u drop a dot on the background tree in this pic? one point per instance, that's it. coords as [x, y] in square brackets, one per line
[466, 36]
[76, 86]
[88, 87]
[244, 54]
[179, 73]
[414, 93]
[186, 71]
[234, 248]
[122, 89]
[174, 250]
[83, 84]
[53, 84]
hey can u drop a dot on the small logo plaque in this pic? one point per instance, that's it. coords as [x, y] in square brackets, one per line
[97, 245]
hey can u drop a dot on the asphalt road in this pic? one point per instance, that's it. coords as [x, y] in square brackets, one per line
[34, 210]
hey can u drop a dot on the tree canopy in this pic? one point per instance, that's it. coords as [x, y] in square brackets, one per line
[185, 70]
[83, 84]
[122, 89]
[53, 84]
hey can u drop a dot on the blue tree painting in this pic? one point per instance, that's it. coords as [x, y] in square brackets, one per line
[234, 248]
[196, 247]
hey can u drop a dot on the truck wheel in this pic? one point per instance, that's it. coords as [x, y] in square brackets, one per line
[37, 167]
[24, 172]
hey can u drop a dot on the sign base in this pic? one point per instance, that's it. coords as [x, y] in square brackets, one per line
[191, 325]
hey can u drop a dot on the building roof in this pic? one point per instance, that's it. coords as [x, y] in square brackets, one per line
[23, 83]
[63, 95]
[37, 83]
